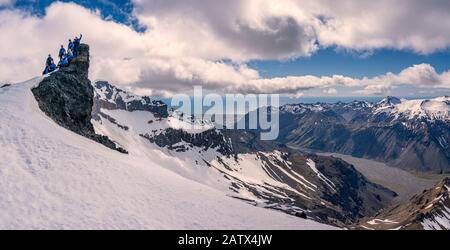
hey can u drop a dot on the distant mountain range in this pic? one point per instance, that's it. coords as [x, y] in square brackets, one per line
[409, 134]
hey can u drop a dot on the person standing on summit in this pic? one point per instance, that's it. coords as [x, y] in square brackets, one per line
[62, 52]
[70, 46]
[76, 45]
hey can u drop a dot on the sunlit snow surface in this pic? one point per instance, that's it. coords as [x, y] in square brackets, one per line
[51, 178]
[246, 177]
[433, 109]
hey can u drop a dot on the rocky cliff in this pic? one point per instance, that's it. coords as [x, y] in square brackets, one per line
[67, 97]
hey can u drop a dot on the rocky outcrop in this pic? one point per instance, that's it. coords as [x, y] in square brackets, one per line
[67, 96]
[205, 140]
[429, 210]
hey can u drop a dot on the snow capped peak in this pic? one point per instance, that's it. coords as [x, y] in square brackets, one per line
[110, 97]
[397, 108]
[358, 105]
[111, 100]
[389, 101]
[301, 108]
[109, 93]
[430, 109]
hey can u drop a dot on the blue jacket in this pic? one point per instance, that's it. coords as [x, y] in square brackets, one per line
[77, 41]
[49, 61]
[70, 46]
[64, 62]
[62, 51]
[68, 57]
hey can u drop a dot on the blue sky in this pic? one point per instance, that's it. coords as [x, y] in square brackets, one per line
[334, 61]
[172, 35]
[120, 11]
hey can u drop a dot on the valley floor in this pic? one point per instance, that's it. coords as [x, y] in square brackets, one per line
[404, 183]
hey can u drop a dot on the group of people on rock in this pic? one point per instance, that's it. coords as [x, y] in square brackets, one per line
[65, 56]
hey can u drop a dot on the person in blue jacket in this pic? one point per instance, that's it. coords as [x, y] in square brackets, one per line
[52, 67]
[62, 52]
[49, 65]
[66, 60]
[70, 45]
[69, 56]
[76, 45]
[49, 60]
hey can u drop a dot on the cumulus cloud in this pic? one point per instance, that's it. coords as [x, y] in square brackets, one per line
[419, 75]
[422, 75]
[375, 89]
[235, 29]
[406, 24]
[208, 43]
[267, 29]
[330, 91]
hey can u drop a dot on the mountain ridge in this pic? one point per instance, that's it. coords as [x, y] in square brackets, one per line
[409, 134]
[260, 173]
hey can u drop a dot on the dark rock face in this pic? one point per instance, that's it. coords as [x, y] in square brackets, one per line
[346, 198]
[355, 197]
[5, 85]
[114, 99]
[248, 141]
[207, 139]
[67, 95]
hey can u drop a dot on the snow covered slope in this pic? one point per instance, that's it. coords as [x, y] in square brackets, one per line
[52, 178]
[432, 109]
[319, 188]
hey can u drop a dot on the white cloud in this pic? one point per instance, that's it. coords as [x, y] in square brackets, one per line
[404, 24]
[418, 75]
[208, 43]
[235, 29]
[267, 29]
[330, 91]
[375, 89]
